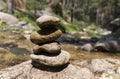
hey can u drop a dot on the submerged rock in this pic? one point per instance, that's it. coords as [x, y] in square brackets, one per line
[87, 47]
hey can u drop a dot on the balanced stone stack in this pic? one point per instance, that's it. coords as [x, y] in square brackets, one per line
[47, 50]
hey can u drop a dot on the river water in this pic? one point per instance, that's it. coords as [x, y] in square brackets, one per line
[22, 52]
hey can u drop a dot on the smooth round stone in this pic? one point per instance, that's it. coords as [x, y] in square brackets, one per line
[45, 35]
[58, 60]
[46, 20]
[53, 47]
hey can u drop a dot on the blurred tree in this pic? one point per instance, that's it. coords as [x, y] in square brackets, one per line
[20, 5]
[10, 6]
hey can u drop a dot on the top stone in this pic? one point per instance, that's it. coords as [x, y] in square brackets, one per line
[47, 21]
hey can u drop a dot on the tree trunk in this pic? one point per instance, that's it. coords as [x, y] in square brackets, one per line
[72, 10]
[20, 5]
[62, 2]
[115, 8]
[10, 6]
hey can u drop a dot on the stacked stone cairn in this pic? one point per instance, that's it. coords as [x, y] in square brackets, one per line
[47, 51]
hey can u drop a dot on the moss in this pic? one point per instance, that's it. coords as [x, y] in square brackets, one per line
[67, 27]
[2, 26]
[27, 17]
[6, 55]
[14, 28]
[93, 33]
[9, 56]
[2, 36]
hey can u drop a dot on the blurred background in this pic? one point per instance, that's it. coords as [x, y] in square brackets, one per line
[91, 28]
[79, 13]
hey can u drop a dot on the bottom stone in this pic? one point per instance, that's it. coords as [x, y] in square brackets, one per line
[27, 71]
[58, 60]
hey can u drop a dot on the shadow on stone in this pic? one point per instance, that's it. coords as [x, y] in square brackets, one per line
[47, 31]
[49, 68]
[47, 54]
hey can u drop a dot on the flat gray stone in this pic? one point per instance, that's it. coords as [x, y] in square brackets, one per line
[53, 47]
[47, 21]
[58, 60]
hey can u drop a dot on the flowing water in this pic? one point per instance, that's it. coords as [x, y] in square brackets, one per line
[77, 54]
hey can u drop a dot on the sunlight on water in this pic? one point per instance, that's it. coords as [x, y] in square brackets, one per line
[77, 54]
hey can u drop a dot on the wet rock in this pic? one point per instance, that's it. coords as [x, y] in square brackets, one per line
[46, 35]
[53, 47]
[115, 25]
[107, 45]
[87, 47]
[65, 38]
[27, 71]
[116, 21]
[56, 60]
[47, 21]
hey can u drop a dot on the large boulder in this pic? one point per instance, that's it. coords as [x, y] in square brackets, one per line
[27, 71]
[98, 65]
[107, 68]
[9, 19]
[58, 60]
[107, 45]
[46, 35]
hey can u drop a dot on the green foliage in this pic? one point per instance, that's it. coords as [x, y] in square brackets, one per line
[115, 35]
[82, 23]
[35, 4]
[14, 28]
[2, 26]
[2, 36]
[84, 11]
[18, 14]
[93, 33]
[33, 22]
[66, 27]
[27, 17]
